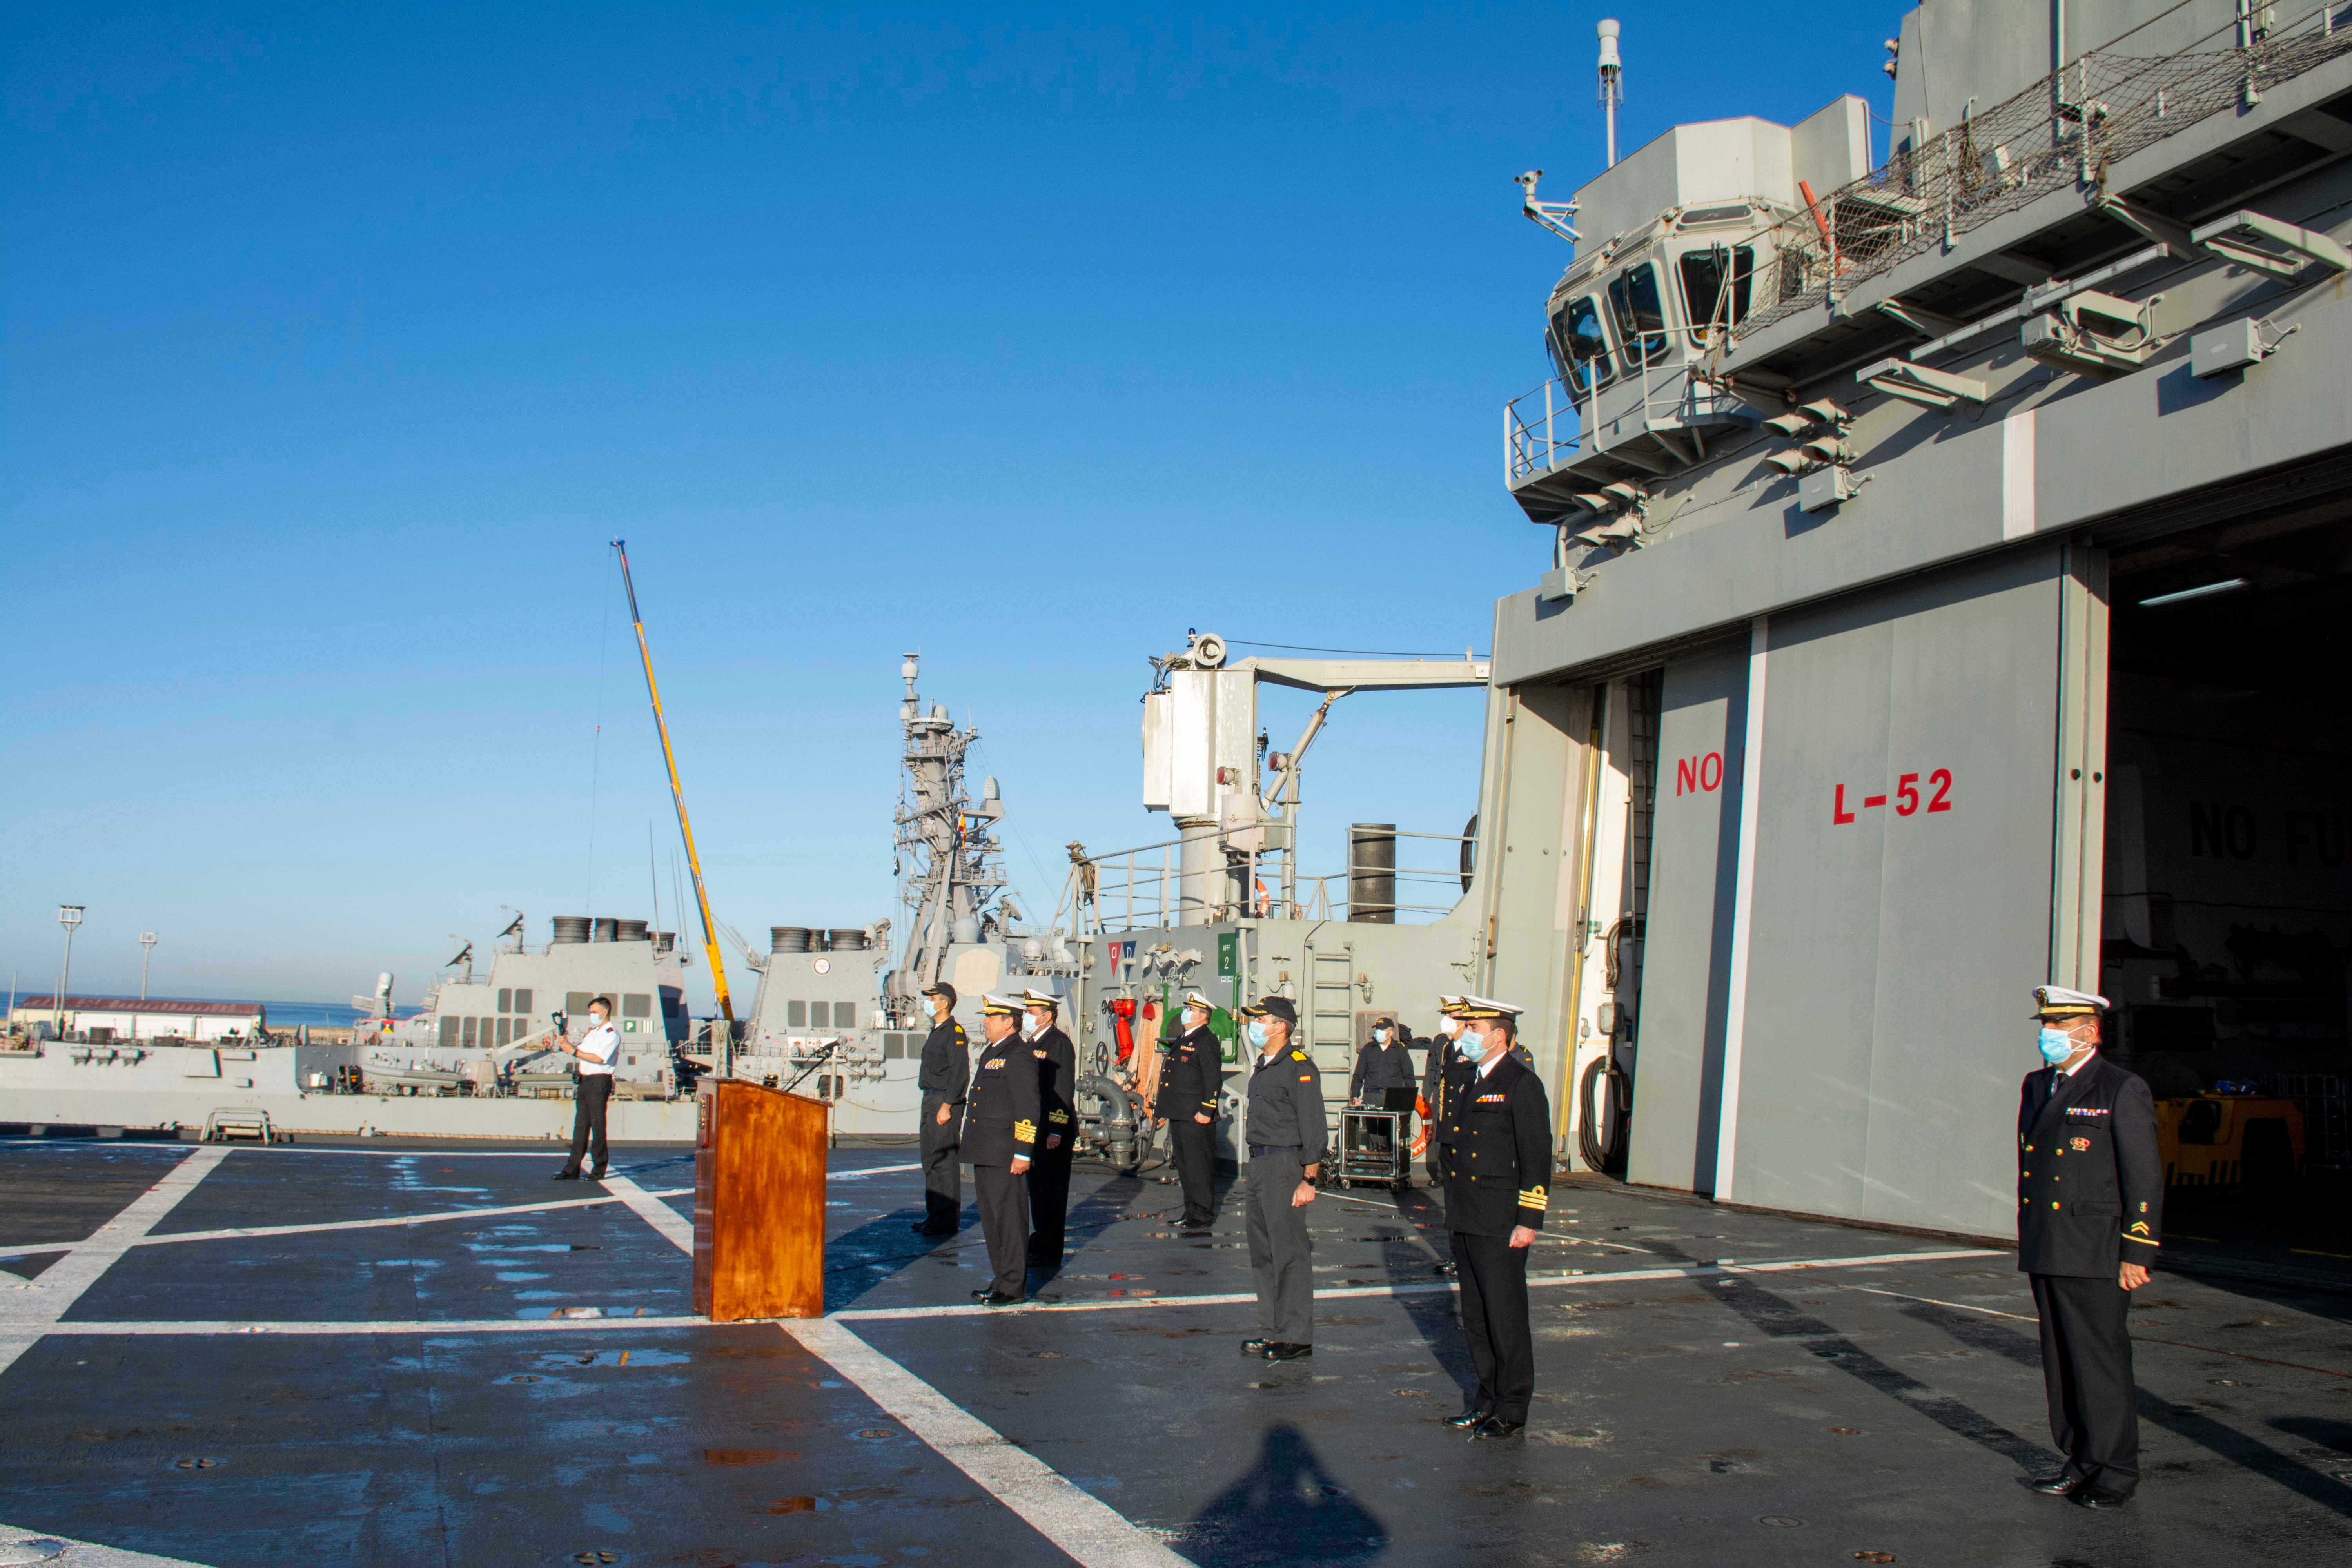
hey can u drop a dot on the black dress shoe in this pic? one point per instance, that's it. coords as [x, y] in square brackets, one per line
[996, 1298]
[1280, 1351]
[1467, 1419]
[925, 1228]
[597, 1174]
[982, 1294]
[2102, 1497]
[2066, 1483]
[1255, 1347]
[1495, 1427]
[567, 1176]
[1446, 1271]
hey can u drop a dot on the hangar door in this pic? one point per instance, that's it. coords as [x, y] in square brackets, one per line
[1893, 854]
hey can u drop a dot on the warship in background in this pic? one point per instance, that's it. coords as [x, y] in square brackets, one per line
[834, 1016]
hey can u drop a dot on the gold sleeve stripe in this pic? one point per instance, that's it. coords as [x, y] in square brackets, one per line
[1534, 1198]
[1024, 1133]
[2144, 1241]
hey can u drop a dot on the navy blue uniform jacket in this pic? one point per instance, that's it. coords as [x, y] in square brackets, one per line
[2090, 1183]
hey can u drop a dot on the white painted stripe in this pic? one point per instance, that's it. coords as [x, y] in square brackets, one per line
[2017, 461]
[673, 1225]
[872, 1171]
[555, 1147]
[1081, 1524]
[28, 1310]
[80, 1554]
[167, 1327]
[1743, 910]
[328, 1328]
[1089, 1529]
[1930, 1301]
[246, 1232]
[1239, 1297]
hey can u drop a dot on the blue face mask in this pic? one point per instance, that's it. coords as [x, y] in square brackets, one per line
[2057, 1045]
[1258, 1033]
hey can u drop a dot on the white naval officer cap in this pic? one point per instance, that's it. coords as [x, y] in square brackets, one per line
[2060, 1002]
[1033, 998]
[1448, 1006]
[1006, 1007]
[1194, 999]
[1485, 1007]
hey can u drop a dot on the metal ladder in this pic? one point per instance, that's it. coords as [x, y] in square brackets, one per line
[1330, 1016]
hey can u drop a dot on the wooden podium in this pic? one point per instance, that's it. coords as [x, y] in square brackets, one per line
[759, 1203]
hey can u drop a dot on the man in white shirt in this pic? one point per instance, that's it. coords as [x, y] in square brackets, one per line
[594, 1053]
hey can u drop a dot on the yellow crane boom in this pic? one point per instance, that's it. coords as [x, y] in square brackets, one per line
[677, 794]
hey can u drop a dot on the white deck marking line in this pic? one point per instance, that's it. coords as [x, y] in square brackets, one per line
[1081, 1524]
[31, 1310]
[1955, 1306]
[166, 1328]
[245, 1232]
[674, 1227]
[872, 1171]
[1089, 1529]
[1616, 1277]
[555, 1146]
[77, 1552]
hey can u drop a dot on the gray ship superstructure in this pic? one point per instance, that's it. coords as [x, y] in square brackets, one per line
[1948, 553]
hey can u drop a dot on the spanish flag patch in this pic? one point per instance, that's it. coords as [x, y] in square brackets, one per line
[1024, 1133]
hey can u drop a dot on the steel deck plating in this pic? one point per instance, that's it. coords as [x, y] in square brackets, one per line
[430, 1355]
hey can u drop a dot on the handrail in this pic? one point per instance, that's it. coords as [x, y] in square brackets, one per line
[2069, 127]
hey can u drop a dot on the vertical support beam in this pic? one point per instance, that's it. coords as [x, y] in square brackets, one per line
[2080, 839]
[1601, 875]
[1743, 911]
[1579, 838]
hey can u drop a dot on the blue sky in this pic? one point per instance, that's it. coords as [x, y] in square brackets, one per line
[340, 340]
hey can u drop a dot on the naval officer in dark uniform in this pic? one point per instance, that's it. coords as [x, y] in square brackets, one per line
[999, 1136]
[1381, 1065]
[1190, 1078]
[944, 1078]
[1497, 1141]
[1432, 1104]
[1057, 1094]
[2090, 1216]
[1287, 1139]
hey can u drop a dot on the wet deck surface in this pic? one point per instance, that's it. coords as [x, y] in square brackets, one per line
[1765, 1414]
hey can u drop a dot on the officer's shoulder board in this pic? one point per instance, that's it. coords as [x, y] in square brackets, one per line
[1298, 1055]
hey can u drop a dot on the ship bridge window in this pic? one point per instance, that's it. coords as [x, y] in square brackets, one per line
[522, 999]
[1697, 216]
[795, 1014]
[845, 1014]
[1715, 287]
[638, 1004]
[1581, 347]
[506, 999]
[1640, 314]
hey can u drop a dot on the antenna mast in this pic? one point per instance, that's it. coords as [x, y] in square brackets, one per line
[677, 794]
[1612, 80]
